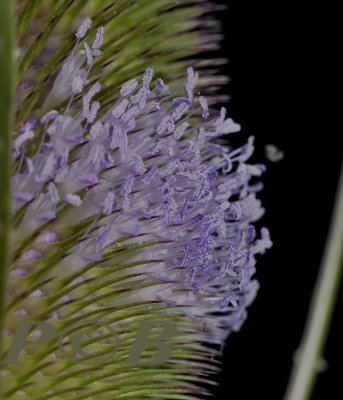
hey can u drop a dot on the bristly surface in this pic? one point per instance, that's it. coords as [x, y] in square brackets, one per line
[126, 206]
[162, 33]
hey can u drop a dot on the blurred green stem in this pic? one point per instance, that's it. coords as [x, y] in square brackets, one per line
[6, 107]
[309, 358]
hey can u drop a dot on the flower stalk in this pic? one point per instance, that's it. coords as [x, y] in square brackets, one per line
[307, 366]
[6, 95]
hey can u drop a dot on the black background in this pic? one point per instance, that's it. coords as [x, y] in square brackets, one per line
[276, 51]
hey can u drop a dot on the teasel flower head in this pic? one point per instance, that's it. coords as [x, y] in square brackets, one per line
[128, 211]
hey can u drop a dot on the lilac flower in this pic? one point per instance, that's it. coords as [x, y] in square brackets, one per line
[147, 174]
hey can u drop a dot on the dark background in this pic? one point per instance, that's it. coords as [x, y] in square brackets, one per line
[276, 52]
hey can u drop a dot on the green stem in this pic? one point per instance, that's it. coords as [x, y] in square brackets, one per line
[6, 107]
[307, 365]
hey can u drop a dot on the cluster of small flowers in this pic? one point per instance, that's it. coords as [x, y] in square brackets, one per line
[148, 170]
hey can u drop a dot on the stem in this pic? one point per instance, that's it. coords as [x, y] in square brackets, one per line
[322, 305]
[6, 97]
